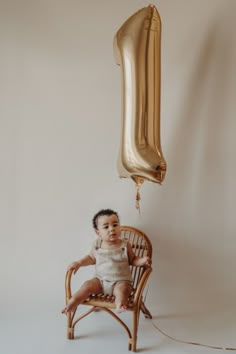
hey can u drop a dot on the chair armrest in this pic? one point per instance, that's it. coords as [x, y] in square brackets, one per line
[141, 284]
[68, 284]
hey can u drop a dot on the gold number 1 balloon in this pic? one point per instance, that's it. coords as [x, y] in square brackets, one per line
[137, 46]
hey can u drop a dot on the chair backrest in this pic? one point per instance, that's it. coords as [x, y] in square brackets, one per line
[141, 246]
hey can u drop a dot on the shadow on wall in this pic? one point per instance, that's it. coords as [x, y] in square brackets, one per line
[199, 143]
[199, 166]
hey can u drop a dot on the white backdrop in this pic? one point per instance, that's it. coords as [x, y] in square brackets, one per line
[60, 129]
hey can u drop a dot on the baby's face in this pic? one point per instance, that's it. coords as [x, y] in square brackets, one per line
[108, 228]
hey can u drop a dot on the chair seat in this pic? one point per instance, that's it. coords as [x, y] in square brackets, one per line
[107, 301]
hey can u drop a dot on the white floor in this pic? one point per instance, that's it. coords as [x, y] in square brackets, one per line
[43, 331]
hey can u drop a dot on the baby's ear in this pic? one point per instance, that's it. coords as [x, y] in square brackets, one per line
[97, 232]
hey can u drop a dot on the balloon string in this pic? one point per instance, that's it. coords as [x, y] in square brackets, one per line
[138, 198]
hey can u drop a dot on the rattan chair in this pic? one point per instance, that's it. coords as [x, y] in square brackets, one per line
[141, 246]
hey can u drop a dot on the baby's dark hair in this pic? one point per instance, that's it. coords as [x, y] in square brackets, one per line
[102, 213]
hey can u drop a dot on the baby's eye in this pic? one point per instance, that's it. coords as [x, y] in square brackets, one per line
[115, 225]
[105, 227]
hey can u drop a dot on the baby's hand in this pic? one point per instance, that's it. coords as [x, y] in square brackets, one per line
[73, 266]
[147, 261]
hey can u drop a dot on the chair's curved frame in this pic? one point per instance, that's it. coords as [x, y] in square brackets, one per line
[141, 246]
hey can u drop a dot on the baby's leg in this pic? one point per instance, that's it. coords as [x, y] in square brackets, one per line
[121, 291]
[92, 286]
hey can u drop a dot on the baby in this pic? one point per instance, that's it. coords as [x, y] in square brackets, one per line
[111, 256]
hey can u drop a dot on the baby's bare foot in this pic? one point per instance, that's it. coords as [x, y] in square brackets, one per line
[64, 311]
[121, 308]
[71, 307]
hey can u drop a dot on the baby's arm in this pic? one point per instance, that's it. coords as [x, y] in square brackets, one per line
[85, 261]
[137, 261]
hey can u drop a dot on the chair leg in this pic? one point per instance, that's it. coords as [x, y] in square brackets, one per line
[145, 311]
[130, 344]
[70, 329]
[70, 333]
[135, 330]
